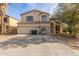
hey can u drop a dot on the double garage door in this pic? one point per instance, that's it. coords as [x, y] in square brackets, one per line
[26, 30]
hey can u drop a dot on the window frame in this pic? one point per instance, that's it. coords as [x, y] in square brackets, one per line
[28, 17]
[43, 18]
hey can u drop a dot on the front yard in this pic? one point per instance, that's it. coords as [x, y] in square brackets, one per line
[43, 45]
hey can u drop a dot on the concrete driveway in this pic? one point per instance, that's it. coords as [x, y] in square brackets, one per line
[34, 45]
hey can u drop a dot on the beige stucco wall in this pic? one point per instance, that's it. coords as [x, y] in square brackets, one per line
[35, 24]
[36, 16]
[26, 28]
[12, 23]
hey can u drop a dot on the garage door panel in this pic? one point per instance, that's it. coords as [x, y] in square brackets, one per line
[26, 30]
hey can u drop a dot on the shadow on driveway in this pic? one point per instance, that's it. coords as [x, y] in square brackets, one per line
[25, 41]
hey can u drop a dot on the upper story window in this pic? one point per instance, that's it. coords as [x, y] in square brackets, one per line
[44, 18]
[0, 12]
[29, 18]
[5, 19]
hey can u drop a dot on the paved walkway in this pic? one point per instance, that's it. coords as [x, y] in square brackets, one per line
[35, 46]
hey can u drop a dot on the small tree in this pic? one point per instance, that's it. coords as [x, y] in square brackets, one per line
[69, 14]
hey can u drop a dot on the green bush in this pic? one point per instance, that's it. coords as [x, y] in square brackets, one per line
[65, 29]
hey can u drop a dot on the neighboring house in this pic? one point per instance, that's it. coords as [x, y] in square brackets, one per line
[10, 25]
[2, 15]
[37, 22]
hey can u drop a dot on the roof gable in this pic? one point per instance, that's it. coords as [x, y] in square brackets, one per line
[12, 17]
[33, 11]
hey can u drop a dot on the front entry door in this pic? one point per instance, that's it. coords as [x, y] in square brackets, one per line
[57, 29]
[52, 27]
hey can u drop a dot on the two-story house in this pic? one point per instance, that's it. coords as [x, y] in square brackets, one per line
[38, 22]
[34, 21]
[9, 25]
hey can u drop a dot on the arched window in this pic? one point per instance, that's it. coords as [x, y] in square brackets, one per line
[44, 18]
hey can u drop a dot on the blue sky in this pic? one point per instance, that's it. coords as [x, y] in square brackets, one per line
[15, 9]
